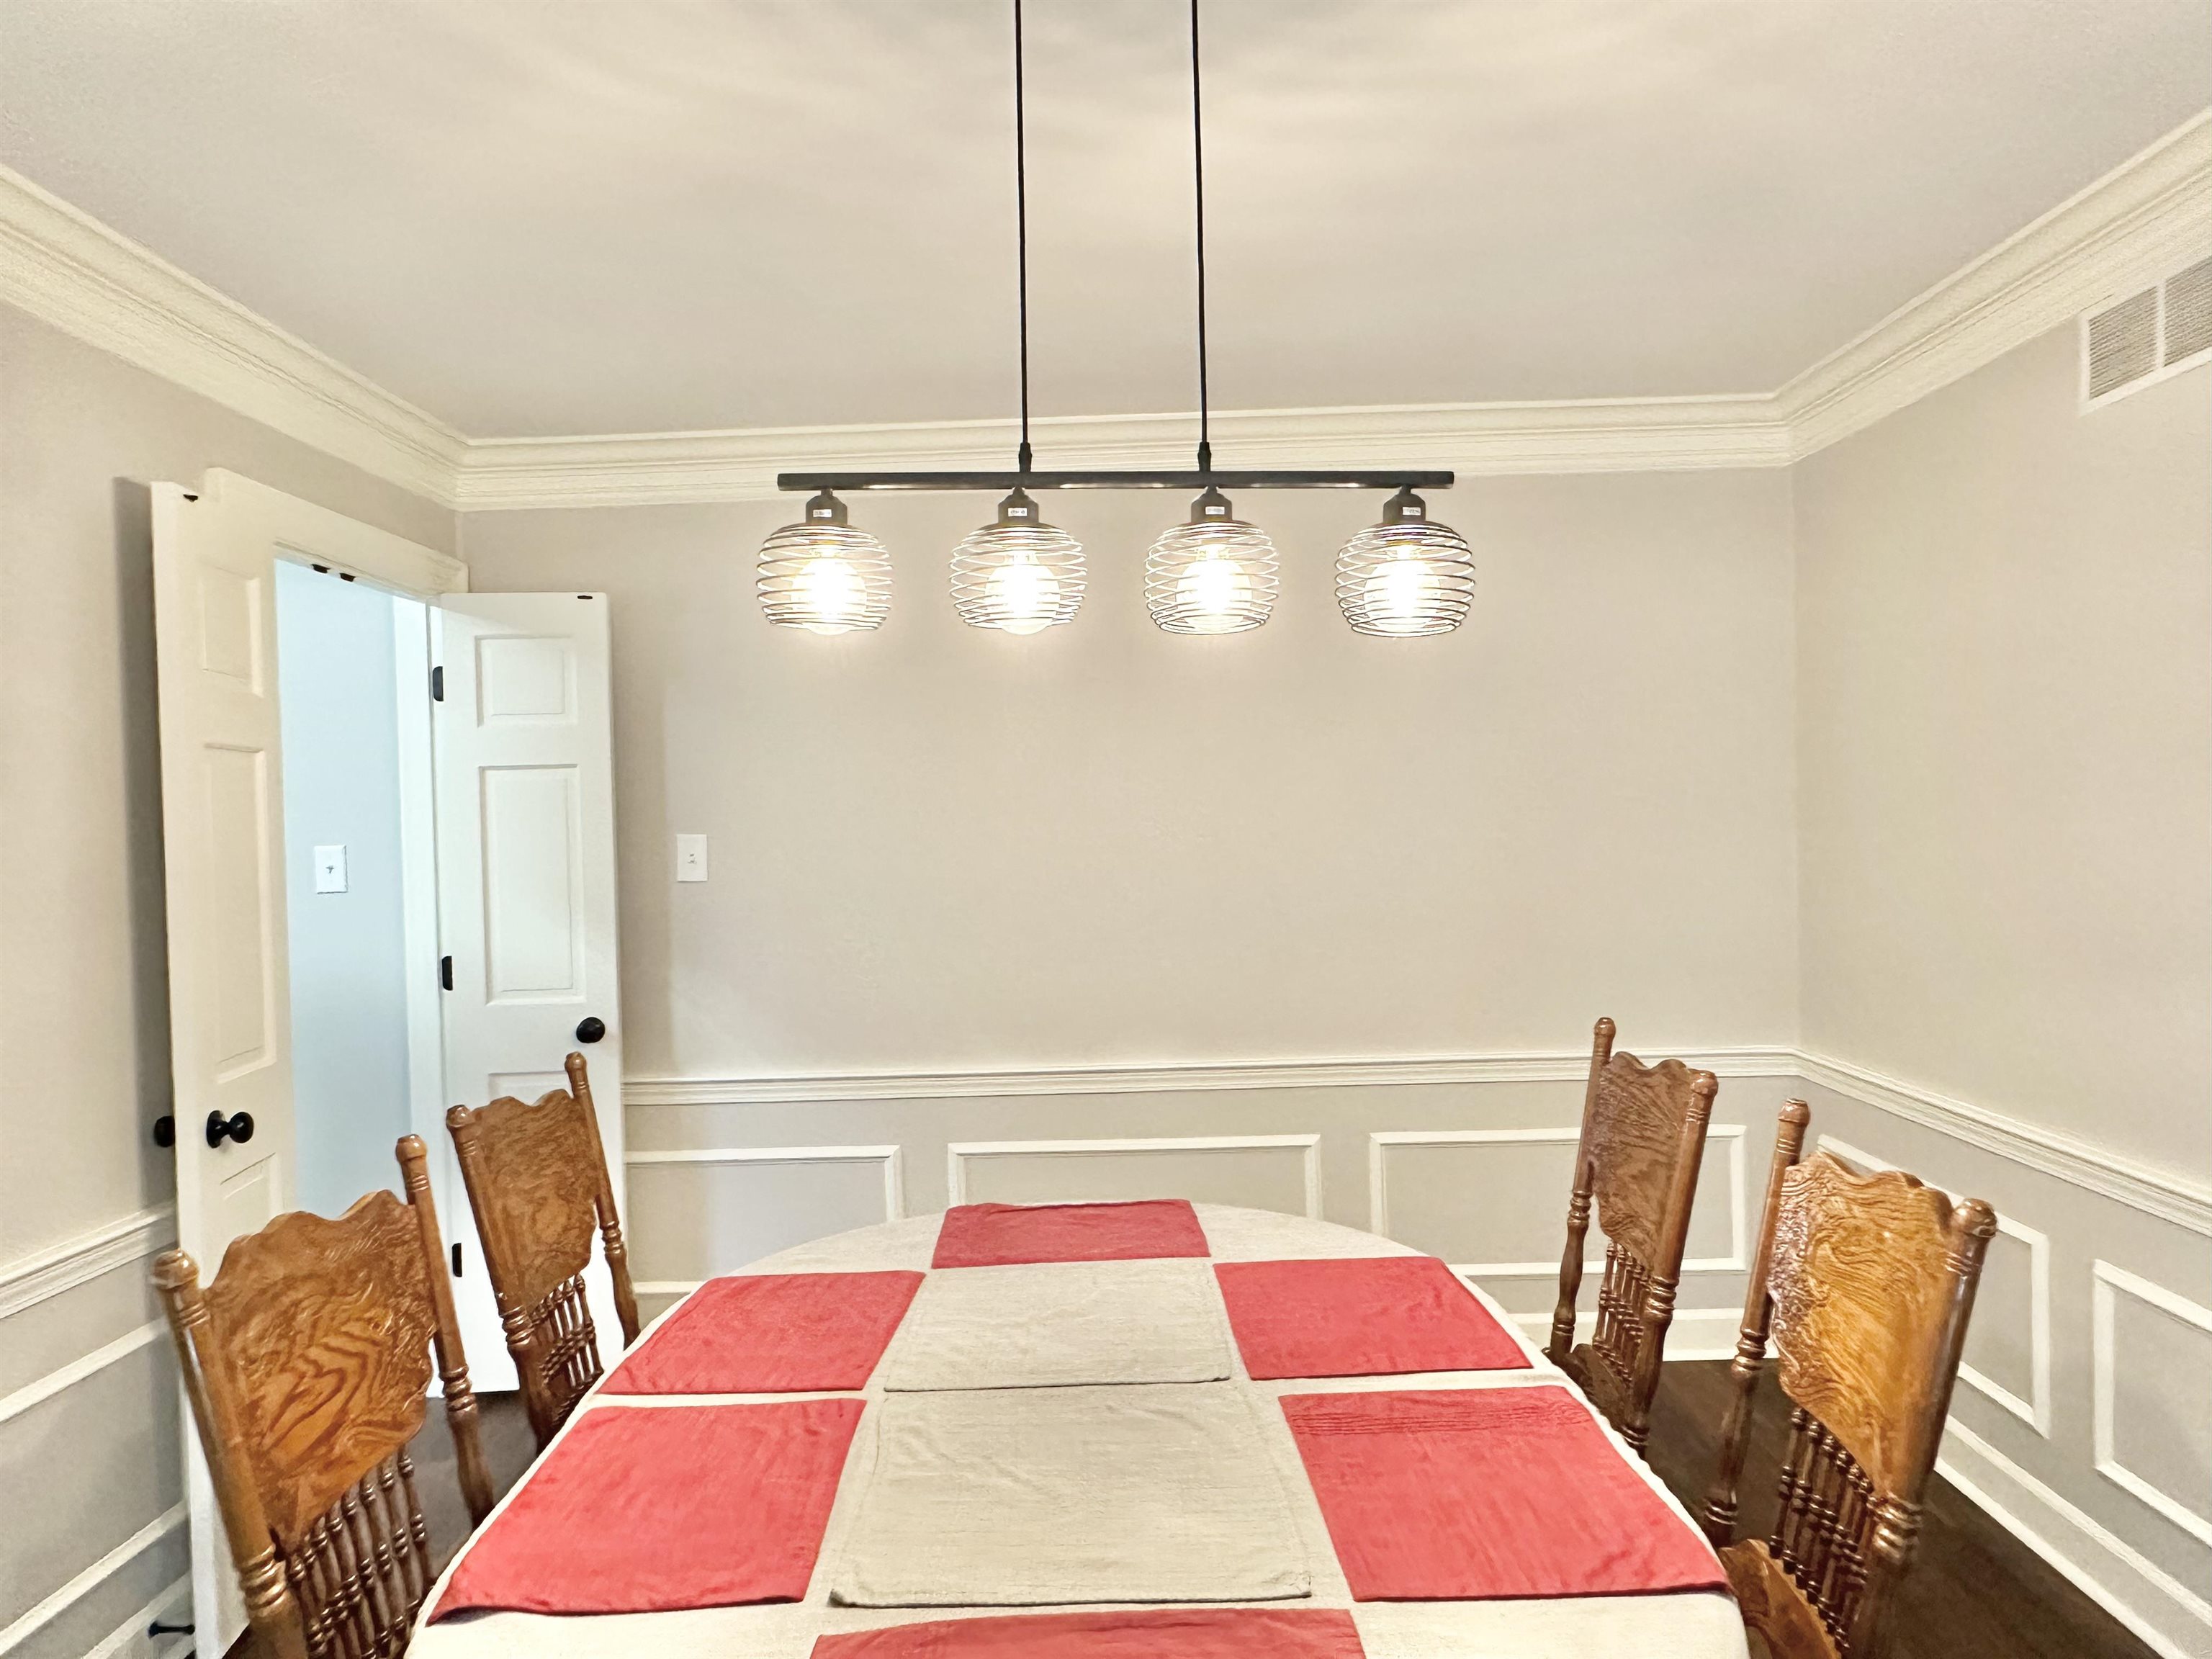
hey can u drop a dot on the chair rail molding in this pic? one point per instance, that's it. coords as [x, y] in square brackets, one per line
[2135, 224]
[2181, 1200]
[34, 1279]
[1167, 1076]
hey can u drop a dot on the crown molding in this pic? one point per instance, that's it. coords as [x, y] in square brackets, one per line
[67, 268]
[1633, 435]
[2149, 216]
[2144, 220]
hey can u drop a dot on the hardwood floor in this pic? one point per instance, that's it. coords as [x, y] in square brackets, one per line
[509, 1447]
[1976, 1592]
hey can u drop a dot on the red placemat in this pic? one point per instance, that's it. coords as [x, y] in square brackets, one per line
[772, 1333]
[1367, 1317]
[1170, 1633]
[656, 1509]
[1473, 1494]
[1001, 1235]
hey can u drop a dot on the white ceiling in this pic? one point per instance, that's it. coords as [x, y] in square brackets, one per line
[542, 218]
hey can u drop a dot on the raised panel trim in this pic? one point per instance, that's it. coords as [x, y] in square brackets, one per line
[2035, 1410]
[2181, 1200]
[958, 1152]
[41, 1389]
[31, 1279]
[892, 1158]
[35, 1618]
[1378, 1193]
[2107, 1283]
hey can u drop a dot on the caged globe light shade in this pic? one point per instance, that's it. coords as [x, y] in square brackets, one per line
[1406, 577]
[1215, 574]
[823, 576]
[1018, 574]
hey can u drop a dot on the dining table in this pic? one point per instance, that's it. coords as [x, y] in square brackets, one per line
[1138, 1429]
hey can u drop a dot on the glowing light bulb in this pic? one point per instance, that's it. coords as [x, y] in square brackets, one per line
[823, 575]
[1023, 594]
[834, 595]
[1213, 593]
[1400, 594]
[1407, 577]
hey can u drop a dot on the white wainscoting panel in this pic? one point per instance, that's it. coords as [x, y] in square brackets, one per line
[1547, 1225]
[1235, 1168]
[2176, 1384]
[717, 1238]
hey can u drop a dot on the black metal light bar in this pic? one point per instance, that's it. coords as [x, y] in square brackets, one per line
[1401, 478]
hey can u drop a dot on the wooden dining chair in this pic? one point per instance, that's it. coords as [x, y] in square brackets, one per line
[307, 1360]
[1642, 1140]
[1864, 1283]
[536, 1179]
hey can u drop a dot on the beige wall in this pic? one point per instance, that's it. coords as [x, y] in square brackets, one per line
[2004, 625]
[2004, 637]
[83, 1025]
[937, 846]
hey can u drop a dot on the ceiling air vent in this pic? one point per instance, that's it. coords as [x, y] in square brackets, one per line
[2147, 336]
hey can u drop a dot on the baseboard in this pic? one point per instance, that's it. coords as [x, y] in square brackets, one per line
[2158, 1607]
[134, 1638]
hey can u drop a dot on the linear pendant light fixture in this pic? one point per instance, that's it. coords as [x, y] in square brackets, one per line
[1215, 574]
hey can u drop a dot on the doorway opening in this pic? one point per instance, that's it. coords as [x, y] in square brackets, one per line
[360, 879]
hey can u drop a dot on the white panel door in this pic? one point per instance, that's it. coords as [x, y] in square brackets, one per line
[222, 821]
[526, 889]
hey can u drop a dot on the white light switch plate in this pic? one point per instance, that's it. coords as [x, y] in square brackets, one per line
[691, 857]
[330, 869]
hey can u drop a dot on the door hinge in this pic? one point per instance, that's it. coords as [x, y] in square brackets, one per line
[457, 1261]
[438, 684]
[445, 973]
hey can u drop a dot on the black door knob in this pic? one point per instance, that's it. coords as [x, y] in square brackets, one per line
[165, 1130]
[591, 1029]
[220, 1128]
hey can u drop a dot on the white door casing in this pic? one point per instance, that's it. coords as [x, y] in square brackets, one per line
[222, 814]
[527, 886]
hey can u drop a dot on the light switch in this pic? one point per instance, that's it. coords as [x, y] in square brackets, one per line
[330, 869]
[691, 857]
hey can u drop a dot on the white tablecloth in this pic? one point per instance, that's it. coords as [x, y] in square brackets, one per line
[1675, 1627]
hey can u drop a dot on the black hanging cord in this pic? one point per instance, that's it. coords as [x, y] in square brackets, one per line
[1198, 171]
[1022, 235]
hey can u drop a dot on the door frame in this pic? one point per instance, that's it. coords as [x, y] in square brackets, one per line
[295, 530]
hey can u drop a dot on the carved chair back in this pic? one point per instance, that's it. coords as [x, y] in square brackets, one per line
[1642, 1141]
[1864, 1282]
[307, 1360]
[537, 1178]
